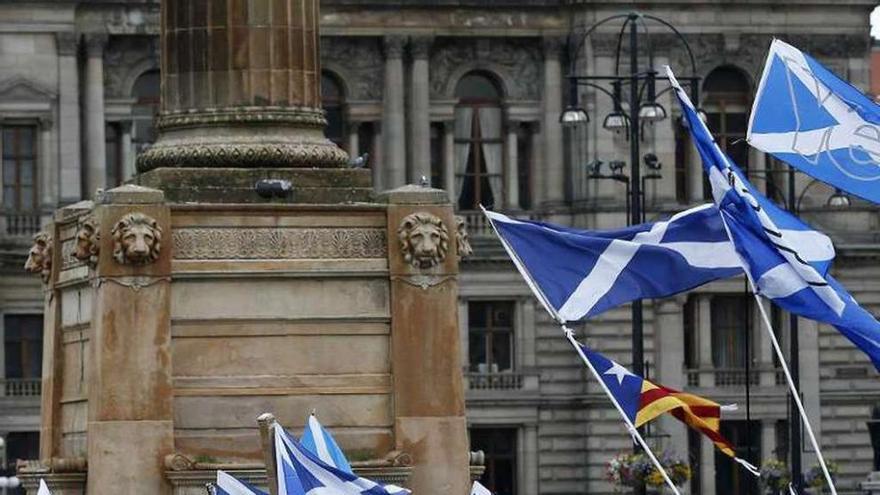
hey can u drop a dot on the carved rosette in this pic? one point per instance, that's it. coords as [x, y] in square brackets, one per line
[462, 240]
[40, 256]
[424, 240]
[88, 238]
[137, 239]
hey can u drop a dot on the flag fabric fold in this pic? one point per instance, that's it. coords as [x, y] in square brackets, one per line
[578, 274]
[785, 259]
[320, 442]
[816, 122]
[44, 489]
[229, 485]
[319, 478]
[643, 401]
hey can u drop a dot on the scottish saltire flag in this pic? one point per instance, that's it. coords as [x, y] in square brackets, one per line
[816, 122]
[643, 401]
[786, 260]
[228, 485]
[578, 273]
[319, 442]
[478, 489]
[318, 478]
[43, 490]
[285, 474]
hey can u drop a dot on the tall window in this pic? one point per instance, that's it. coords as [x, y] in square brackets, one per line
[20, 168]
[112, 145]
[726, 102]
[499, 445]
[730, 477]
[490, 336]
[730, 323]
[333, 100]
[478, 142]
[23, 338]
[146, 94]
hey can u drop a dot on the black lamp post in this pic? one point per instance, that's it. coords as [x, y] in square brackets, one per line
[628, 117]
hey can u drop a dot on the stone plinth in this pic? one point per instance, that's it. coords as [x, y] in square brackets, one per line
[233, 309]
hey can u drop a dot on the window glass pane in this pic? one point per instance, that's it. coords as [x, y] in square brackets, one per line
[502, 315]
[501, 349]
[8, 142]
[736, 123]
[477, 315]
[477, 351]
[335, 130]
[330, 89]
[23, 339]
[729, 324]
[26, 198]
[9, 172]
[26, 137]
[477, 87]
[9, 197]
[26, 168]
[500, 447]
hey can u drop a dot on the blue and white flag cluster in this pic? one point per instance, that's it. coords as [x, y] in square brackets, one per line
[319, 441]
[229, 485]
[578, 274]
[816, 122]
[317, 477]
[786, 260]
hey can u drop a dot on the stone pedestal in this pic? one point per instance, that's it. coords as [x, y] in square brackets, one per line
[871, 486]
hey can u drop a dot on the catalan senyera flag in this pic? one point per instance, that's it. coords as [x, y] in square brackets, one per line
[643, 401]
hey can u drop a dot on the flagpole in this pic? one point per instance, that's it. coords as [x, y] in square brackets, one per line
[569, 334]
[794, 392]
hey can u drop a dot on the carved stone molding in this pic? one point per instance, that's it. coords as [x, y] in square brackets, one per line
[393, 46]
[462, 239]
[137, 239]
[87, 245]
[305, 116]
[420, 46]
[278, 243]
[357, 61]
[39, 258]
[66, 43]
[424, 239]
[172, 153]
[517, 63]
[95, 44]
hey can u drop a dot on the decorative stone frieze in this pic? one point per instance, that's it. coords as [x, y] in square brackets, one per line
[137, 240]
[209, 243]
[424, 240]
[516, 62]
[358, 62]
[39, 258]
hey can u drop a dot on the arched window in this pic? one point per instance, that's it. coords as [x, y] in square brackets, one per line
[727, 103]
[333, 98]
[146, 94]
[478, 142]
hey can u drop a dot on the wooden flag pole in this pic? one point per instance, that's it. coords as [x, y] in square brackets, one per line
[569, 334]
[794, 392]
[267, 441]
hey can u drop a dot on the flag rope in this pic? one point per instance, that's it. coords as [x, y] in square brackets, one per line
[794, 392]
[569, 334]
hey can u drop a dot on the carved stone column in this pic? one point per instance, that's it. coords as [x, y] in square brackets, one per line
[126, 152]
[96, 154]
[68, 118]
[353, 139]
[48, 184]
[394, 133]
[130, 394]
[511, 178]
[449, 159]
[554, 169]
[419, 110]
[241, 87]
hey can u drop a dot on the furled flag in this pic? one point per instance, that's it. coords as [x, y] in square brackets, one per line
[318, 478]
[478, 489]
[319, 442]
[643, 401]
[578, 274]
[786, 260]
[228, 485]
[816, 122]
[43, 490]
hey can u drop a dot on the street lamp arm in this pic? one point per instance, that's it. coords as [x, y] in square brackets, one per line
[600, 88]
[583, 39]
[797, 206]
[639, 19]
[681, 37]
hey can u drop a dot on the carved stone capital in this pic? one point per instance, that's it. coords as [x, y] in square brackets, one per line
[393, 46]
[424, 239]
[66, 43]
[552, 45]
[95, 44]
[39, 260]
[420, 46]
[137, 240]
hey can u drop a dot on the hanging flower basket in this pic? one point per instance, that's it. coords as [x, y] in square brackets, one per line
[814, 479]
[629, 470]
[775, 477]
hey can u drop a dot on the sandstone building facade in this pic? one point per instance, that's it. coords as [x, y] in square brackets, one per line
[467, 94]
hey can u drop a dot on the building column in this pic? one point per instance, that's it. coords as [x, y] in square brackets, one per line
[808, 344]
[127, 152]
[96, 154]
[554, 168]
[394, 149]
[528, 459]
[70, 179]
[511, 176]
[377, 161]
[669, 361]
[768, 439]
[46, 171]
[449, 160]
[707, 465]
[704, 336]
[537, 179]
[354, 143]
[419, 110]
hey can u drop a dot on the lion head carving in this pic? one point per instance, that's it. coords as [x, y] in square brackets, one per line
[136, 239]
[424, 240]
[462, 240]
[40, 256]
[88, 239]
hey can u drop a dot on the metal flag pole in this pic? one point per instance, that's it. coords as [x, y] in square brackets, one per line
[794, 392]
[569, 334]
